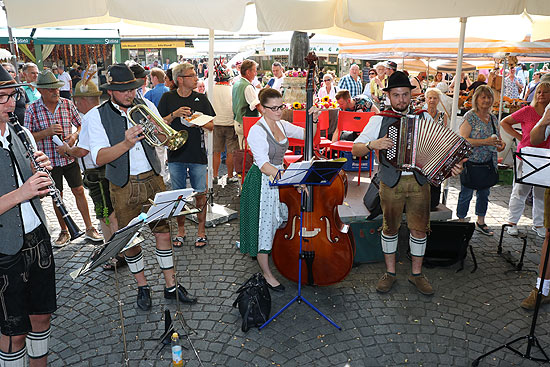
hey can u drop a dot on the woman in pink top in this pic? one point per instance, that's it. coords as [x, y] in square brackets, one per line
[528, 117]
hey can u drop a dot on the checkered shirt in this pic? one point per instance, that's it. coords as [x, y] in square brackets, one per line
[354, 87]
[38, 118]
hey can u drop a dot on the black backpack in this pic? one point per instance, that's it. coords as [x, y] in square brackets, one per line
[372, 198]
[254, 302]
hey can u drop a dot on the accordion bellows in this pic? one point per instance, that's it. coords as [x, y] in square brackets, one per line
[425, 146]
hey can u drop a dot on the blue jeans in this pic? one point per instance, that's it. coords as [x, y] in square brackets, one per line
[464, 201]
[197, 175]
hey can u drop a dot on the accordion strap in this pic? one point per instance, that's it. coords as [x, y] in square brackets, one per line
[397, 115]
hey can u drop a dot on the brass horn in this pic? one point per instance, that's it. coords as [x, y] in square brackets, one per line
[154, 126]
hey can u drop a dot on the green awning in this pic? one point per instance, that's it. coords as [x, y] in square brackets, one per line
[57, 36]
[22, 36]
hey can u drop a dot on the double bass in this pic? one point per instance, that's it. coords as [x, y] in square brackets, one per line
[327, 249]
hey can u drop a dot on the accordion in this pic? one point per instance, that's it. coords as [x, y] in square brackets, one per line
[424, 146]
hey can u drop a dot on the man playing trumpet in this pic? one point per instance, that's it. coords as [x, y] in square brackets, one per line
[132, 168]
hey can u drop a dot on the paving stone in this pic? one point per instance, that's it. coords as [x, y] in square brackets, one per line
[469, 314]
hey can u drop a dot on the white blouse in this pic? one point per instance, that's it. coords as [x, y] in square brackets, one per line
[257, 139]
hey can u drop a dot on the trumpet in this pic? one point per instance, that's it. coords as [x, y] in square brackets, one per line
[154, 127]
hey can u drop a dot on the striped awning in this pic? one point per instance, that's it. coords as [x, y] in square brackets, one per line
[443, 48]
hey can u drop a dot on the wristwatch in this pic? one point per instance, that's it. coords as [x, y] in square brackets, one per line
[368, 146]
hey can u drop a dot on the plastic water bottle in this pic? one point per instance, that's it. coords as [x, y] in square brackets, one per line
[177, 354]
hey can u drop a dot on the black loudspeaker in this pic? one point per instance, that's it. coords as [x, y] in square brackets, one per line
[448, 244]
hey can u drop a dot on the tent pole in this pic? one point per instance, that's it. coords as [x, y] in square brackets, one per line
[428, 75]
[210, 95]
[456, 91]
[504, 65]
[13, 44]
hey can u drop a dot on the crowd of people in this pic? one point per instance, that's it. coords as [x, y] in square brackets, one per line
[93, 144]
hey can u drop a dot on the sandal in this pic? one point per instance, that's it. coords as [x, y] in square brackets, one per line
[484, 229]
[178, 239]
[203, 241]
[120, 262]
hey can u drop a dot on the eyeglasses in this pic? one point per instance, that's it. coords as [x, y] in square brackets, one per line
[276, 108]
[372, 73]
[4, 98]
[188, 76]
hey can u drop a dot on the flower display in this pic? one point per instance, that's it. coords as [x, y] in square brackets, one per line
[296, 74]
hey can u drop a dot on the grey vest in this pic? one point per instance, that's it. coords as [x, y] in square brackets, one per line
[11, 222]
[276, 150]
[389, 175]
[118, 171]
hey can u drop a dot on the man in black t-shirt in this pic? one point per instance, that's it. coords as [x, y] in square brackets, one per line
[175, 106]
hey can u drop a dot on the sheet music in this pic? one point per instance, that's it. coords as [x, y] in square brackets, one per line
[164, 204]
[295, 172]
[541, 177]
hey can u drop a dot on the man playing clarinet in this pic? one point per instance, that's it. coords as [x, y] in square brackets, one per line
[399, 189]
[27, 269]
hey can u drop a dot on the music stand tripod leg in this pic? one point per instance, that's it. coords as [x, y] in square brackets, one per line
[179, 314]
[531, 337]
[298, 298]
[119, 301]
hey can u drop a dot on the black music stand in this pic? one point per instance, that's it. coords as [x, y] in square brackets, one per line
[314, 173]
[168, 205]
[536, 165]
[121, 240]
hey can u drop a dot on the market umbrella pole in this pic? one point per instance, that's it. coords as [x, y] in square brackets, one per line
[504, 65]
[13, 43]
[215, 213]
[456, 93]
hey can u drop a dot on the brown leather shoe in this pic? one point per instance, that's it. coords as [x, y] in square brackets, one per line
[531, 300]
[62, 240]
[422, 284]
[93, 235]
[385, 283]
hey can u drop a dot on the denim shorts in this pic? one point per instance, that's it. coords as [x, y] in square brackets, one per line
[197, 175]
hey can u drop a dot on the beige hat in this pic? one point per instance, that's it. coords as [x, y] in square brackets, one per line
[47, 80]
[89, 89]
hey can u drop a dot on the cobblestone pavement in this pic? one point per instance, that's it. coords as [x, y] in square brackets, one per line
[469, 314]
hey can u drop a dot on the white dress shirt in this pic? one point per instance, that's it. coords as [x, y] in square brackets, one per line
[84, 143]
[30, 218]
[98, 139]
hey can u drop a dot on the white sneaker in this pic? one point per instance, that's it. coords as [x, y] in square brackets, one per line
[513, 230]
[541, 231]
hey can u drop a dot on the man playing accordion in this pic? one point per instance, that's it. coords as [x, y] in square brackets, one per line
[399, 189]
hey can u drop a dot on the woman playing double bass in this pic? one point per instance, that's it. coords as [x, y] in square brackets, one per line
[260, 208]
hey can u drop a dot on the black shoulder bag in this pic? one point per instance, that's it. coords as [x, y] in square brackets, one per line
[479, 176]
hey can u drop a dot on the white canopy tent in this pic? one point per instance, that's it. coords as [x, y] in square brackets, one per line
[332, 16]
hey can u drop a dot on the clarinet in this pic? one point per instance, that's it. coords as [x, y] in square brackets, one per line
[74, 231]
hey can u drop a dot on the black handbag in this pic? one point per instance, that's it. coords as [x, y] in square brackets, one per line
[479, 176]
[254, 302]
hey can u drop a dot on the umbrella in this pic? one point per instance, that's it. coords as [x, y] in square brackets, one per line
[415, 65]
[450, 66]
[4, 54]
